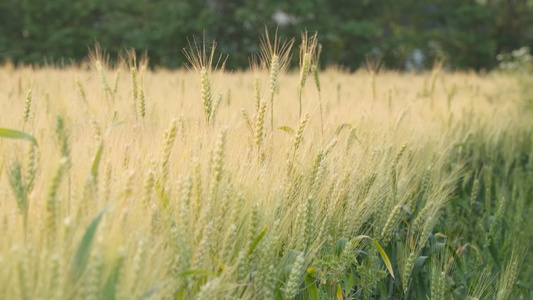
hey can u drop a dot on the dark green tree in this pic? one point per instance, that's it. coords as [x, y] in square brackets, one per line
[468, 33]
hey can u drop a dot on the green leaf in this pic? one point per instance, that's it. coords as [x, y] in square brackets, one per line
[381, 252]
[384, 257]
[110, 287]
[341, 243]
[349, 279]
[523, 285]
[438, 247]
[339, 292]
[15, 134]
[180, 294]
[257, 240]
[494, 253]
[310, 283]
[421, 288]
[114, 125]
[96, 161]
[419, 262]
[84, 249]
[278, 294]
[288, 130]
[382, 289]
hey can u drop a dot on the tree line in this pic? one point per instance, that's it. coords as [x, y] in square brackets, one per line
[467, 34]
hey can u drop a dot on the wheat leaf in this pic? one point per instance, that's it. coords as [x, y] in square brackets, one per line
[96, 161]
[381, 252]
[310, 282]
[257, 240]
[288, 130]
[15, 134]
[84, 249]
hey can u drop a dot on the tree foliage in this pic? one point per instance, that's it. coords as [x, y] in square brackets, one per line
[467, 33]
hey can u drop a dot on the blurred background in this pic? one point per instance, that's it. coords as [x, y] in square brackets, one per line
[403, 34]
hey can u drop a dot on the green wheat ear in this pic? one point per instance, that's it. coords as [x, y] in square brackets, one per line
[166, 147]
[31, 168]
[99, 59]
[258, 130]
[81, 91]
[27, 107]
[115, 84]
[18, 187]
[299, 134]
[207, 94]
[295, 276]
[142, 102]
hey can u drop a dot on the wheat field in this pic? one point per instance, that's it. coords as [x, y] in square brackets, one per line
[388, 185]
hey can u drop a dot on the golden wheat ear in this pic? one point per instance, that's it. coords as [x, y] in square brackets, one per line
[276, 56]
[99, 60]
[201, 56]
[307, 52]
